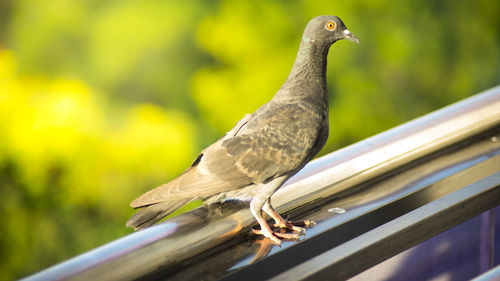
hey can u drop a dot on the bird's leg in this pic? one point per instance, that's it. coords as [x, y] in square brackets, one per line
[281, 222]
[256, 209]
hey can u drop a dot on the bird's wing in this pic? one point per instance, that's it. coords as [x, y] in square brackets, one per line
[276, 142]
[193, 183]
[261, 147]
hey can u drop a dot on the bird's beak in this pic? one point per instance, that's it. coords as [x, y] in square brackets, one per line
[349, 36]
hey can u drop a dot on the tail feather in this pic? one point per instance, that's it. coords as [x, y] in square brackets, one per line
[149, 215]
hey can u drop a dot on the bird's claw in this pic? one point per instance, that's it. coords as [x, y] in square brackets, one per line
[305, 223]
[299, 226]
[290, 226]
[277, 237]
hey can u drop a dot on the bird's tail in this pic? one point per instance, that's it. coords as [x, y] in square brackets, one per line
[148, 215]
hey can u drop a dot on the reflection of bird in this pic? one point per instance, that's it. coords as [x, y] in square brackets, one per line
[265, 148]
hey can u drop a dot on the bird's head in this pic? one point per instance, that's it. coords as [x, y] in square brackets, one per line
[327, 29]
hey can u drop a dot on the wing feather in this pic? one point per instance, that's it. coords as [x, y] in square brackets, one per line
[260, 147]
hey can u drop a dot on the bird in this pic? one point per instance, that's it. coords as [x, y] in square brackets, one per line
[264, 149]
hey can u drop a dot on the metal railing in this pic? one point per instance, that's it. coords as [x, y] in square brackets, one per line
[428, 168]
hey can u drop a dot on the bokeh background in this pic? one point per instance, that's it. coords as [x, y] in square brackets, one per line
[103, 100]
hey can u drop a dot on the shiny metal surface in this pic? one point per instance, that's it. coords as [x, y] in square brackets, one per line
[399, 234]
[387, 172]
[491, 275]
[379, 202]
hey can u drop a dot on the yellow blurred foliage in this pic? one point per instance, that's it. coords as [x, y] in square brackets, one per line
[64, 144]
[251, 69]
[62, 122]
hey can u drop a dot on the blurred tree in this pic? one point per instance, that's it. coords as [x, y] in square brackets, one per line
[68, 169]
[101, 100]
[414, 57]
[136, 51]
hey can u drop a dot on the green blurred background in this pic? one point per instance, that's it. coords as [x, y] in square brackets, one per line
[103, 100]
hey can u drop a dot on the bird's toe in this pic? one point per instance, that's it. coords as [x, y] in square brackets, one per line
[268, 234]
[286, 235]
[299, 226]
[305, 223]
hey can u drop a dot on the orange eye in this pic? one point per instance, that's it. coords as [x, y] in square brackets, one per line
[330, 26]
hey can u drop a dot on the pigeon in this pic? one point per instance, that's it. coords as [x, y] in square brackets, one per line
[264, 149]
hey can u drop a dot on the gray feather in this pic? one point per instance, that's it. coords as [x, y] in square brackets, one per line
[149, 215]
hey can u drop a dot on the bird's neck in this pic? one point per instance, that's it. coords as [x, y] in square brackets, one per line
[308, 74]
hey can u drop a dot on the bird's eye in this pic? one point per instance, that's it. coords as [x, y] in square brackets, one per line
[330, 25]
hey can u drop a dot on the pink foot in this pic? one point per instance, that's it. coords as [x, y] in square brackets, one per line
[299, 226]
[276, 237]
